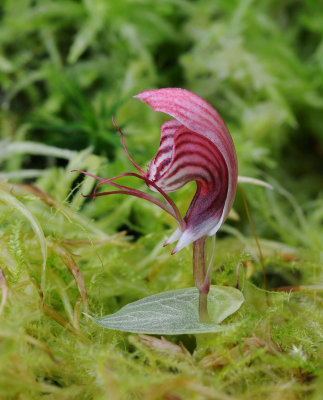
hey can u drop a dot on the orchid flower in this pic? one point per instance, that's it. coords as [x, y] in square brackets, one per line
[195, 145]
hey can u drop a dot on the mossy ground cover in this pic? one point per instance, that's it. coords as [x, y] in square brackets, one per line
[65, 68]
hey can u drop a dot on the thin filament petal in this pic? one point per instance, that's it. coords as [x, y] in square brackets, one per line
[135, 193]
[142, 172]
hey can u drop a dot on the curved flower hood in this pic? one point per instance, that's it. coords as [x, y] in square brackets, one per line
[194, 146]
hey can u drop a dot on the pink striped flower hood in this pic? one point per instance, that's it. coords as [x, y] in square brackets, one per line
[195, 146]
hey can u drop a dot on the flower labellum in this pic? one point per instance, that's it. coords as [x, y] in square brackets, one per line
[195, 145]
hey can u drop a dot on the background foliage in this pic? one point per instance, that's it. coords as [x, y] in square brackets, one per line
[65, 68]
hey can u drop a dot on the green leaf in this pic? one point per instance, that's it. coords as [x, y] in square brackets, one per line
[175, 312]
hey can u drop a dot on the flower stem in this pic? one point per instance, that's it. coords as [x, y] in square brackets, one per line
[201, 278]
[203, 312]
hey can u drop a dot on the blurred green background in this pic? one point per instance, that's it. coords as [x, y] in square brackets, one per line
[67, 67]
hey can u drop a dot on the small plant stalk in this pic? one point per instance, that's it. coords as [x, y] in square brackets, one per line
[201, 278]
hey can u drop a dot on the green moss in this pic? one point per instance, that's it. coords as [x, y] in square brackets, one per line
[55, 352]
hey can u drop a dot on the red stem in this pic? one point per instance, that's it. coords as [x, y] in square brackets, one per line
[202, 282]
